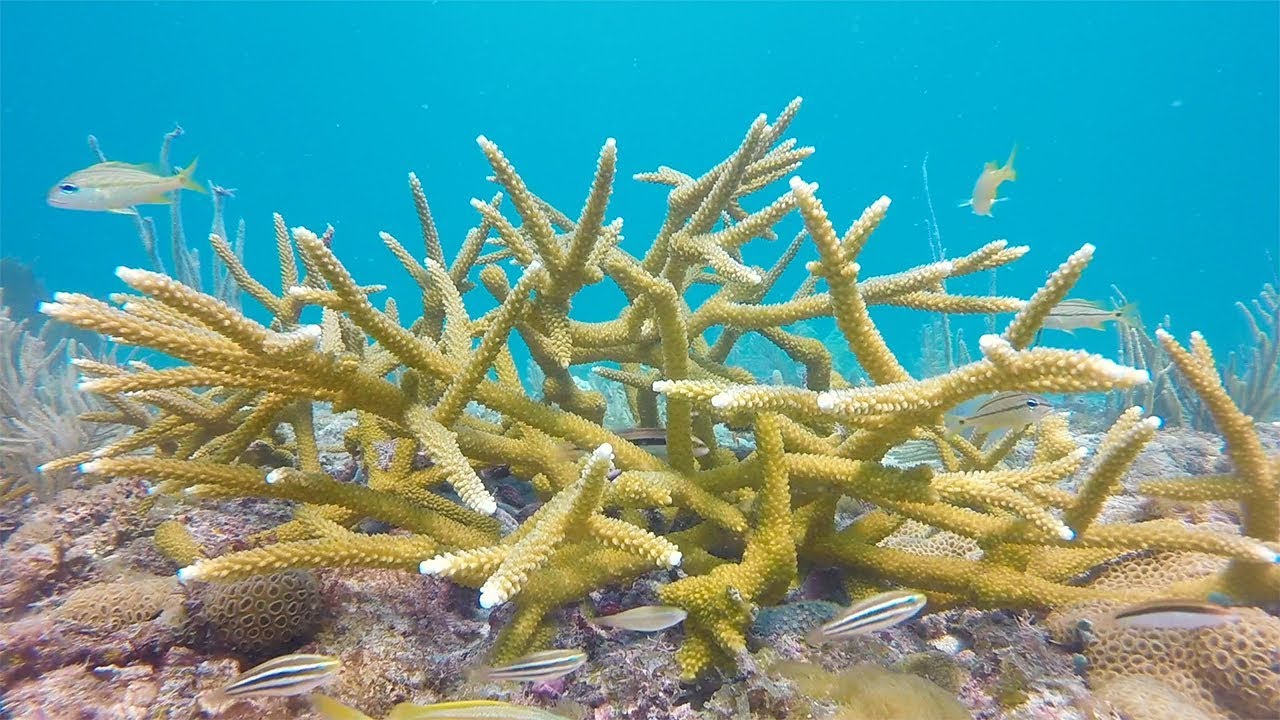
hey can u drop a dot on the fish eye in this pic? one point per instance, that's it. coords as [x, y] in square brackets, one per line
[1033, 403]
[68, 188]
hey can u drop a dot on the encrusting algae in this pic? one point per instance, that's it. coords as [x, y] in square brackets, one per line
[748, 527]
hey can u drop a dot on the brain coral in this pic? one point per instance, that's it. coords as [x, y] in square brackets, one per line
[263, 614]
[113, 605]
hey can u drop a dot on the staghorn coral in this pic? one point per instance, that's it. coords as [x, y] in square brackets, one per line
[742, 530]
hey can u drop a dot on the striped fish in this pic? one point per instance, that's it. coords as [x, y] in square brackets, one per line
[875, 613]
[1005, 410]
[1174, 615]
[285, 675]
[537, 667]
[1072, 315]
[654, 440]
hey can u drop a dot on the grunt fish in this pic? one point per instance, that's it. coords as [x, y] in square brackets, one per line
[285, 675]
[649, 618]
[116, 187]
[1005, 410]
[1174, 615]
[537, 667]
[878, 612]
[652, 440]
[1072, 315]
[984, 190]
[331, 709]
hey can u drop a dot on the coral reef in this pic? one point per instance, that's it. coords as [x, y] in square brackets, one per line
[439, 405]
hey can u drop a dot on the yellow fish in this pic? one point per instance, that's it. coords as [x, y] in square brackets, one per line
[116, 187]
[984, 191]
[331, 709]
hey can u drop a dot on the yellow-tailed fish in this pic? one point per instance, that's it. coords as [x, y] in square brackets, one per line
[331, 709]
[1004, 410]
[649, 618]
[875, 613]
[984, 190]
[285, 675]
[1174, 615]
[536, 667]
[1072, 315]
[116, 187]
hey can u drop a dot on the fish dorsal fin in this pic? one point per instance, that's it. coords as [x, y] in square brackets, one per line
[990, 166]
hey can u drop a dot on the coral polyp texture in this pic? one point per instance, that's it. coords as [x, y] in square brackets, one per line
[734, 530]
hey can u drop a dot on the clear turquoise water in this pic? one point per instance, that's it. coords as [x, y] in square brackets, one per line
[1148, 129]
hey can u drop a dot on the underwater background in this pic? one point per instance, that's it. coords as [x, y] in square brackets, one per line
[1041, 526]
[1148, 129]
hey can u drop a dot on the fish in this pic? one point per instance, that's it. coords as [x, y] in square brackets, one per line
[1004, 410]
[878, 612]
[537, 667]
[651, 439]
[648, 618]
[1174, 614]
[1072, 315]
[117, 187]
[654, 440]
[984, 190]
[331, 709]
[286, 675]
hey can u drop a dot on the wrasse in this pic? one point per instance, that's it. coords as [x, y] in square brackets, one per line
[116, 187]
[331, 709]
[1174, 614]
[536, 667]
[984, 190]
[1005, 410]
[875, 613]
[649, 618]
[285, 675]
[1072, 315]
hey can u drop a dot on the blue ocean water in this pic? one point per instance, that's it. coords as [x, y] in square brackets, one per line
[1148, 129]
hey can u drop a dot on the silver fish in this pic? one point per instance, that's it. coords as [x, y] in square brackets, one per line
[1072, 315]
[537, 667]
[116, 187]
[875, 613]
[285, 675]
[1174, 614]
[649, 618]
[1006, 410]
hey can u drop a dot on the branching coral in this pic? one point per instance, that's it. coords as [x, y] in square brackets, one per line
[748, 526]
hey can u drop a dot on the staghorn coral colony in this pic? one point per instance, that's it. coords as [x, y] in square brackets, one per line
[439, 407]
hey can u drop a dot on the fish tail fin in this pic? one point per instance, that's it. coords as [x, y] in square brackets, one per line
[187, 176]
[1128, 314]
[330, 709]
[1009, 172]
